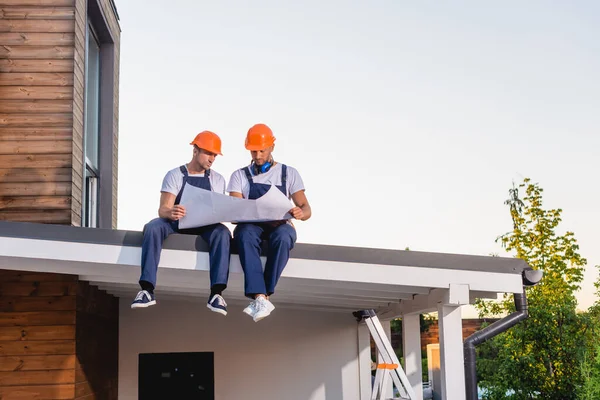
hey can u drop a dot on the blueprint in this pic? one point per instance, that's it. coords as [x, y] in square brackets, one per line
[204, 207]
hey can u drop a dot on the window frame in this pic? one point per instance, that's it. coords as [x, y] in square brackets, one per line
[101, 198]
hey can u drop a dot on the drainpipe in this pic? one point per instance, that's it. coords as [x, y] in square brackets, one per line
[530, 278]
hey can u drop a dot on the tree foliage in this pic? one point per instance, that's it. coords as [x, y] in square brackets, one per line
[542, 356]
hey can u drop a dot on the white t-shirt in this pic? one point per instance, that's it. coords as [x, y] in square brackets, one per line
[239, 182]
[173, 181]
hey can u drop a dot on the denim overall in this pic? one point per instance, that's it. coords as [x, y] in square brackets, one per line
[217, 236]
[248, 237]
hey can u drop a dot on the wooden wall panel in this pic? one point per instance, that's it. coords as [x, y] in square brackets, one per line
[78, 112]
[37, 39]
[64, 107]
[37, 363]
[58, 338]
[36, 65]
[37, 335]
[43, 25]
[54, 392]
[29, 12]
[55, 3]
[97, 343]
[37, 61]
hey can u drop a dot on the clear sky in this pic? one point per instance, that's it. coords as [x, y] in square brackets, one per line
[408, 121]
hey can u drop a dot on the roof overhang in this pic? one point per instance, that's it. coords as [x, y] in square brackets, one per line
[330, 278]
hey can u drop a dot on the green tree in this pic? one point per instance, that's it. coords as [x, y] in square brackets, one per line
[540, 357]
[590, 362]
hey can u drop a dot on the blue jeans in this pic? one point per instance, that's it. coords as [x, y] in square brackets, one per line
[248, 238]
[217, 236]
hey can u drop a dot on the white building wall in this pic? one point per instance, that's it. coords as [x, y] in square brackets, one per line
[303, 355]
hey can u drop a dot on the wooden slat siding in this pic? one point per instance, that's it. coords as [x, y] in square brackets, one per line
[33, 303]
[34, 175]
[31, 52]
[78, 113]
[35, 134]
[35, 161]
[80, 375]
[30, 276]
[97, 343]
[54, 3]
[37, 333]
[38, 392]
[83, 389]
[37, 348]
[48, 377]
[41, 25]
[37, 147]
[37, 120]
[40, 65]
[36, 107]
[37, 288]
[35, 92]
[37, 363]
[35, 189]
[37, 39]
[35, 203]
[61, 217]
[80, 13]
[37, 51]
[36, 79]
[30, 318]
[16, 12]
[111, 19]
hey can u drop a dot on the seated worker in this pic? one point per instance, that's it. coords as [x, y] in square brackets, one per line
[251, 182]
[198, 173]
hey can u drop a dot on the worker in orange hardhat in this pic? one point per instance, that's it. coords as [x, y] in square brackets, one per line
[251, 182]
[198, 173]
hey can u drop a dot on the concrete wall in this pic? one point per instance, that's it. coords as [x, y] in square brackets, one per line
[289, 355]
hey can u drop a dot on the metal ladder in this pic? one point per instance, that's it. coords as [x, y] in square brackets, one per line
[388, 363]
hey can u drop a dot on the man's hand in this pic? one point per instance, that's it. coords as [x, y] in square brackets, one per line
[297, 213]
[176, 213]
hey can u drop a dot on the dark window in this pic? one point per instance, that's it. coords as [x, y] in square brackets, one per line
[181, 376]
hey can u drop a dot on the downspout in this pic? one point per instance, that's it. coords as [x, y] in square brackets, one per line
[530, 277]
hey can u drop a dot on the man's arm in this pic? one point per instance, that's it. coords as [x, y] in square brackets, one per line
[302, 211]
[236, 194]
[168, 209]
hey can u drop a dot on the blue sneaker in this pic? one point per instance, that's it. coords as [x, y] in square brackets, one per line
[217, 304]
[143, 299]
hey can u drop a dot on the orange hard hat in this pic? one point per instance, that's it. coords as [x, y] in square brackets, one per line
[259, 137]
[208, 141]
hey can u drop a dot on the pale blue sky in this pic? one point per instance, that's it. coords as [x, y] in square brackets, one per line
[408, 121]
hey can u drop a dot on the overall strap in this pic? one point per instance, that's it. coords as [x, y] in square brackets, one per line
[184, 171]
[248, 175]
[284, 177]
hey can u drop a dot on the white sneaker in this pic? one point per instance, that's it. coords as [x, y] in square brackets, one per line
[270, 305]
[261, 307]
[251, 308]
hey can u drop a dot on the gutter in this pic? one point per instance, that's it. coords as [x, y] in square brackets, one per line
[530, 278]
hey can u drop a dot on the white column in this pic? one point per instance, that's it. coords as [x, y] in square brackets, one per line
[451, 352]
[364, 361]
[411, 342]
